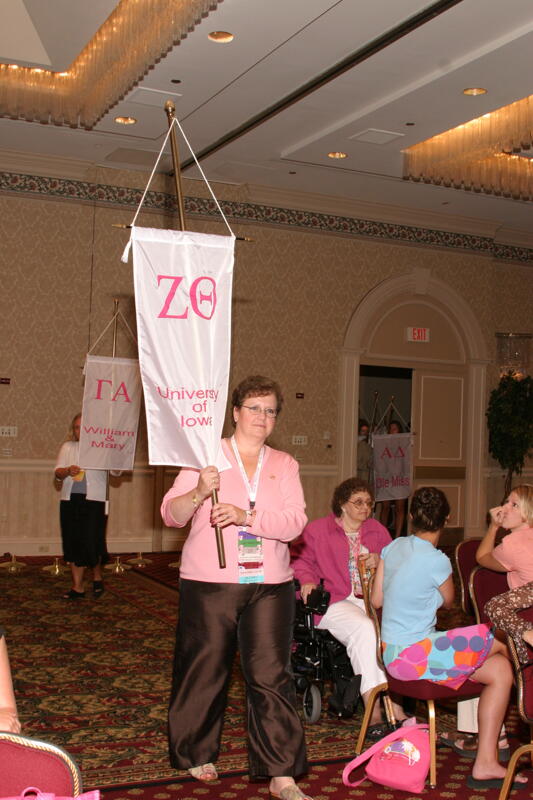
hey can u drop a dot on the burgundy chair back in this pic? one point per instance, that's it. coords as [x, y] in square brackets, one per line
[484, 584]
[27, 762]
[465, 561]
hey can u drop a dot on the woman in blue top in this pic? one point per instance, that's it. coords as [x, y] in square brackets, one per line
[412, 581]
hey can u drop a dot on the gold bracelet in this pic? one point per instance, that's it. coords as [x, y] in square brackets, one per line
[195, 501]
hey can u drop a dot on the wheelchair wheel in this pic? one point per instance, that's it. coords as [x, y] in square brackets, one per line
[312, 703]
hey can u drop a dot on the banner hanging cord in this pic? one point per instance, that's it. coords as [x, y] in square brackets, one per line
[118, 315]
[392, 407]
[202, 173]
[126, 252]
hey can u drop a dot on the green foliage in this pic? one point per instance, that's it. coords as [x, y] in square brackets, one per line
[510, 423]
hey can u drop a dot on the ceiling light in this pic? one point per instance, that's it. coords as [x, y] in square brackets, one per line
[337, 154]
[474, 91]
[222, 37]
[175, 80]
[125, 120]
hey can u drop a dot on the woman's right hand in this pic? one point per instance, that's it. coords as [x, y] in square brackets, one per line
[496, 515]
[208, 479]
[306, 589]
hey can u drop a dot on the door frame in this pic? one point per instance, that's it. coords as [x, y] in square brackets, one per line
[385, 296]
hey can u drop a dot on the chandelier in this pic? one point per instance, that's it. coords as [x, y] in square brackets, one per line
[490, 154]
[136, 35]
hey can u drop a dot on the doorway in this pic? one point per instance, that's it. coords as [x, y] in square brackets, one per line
[385, 394]
[448, 381]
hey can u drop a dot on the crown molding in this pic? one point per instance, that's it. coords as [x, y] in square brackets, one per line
[396, 215]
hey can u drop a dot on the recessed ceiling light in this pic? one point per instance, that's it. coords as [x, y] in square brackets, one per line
[409, 124]
[222, 37]
[175, 80]
[337, 154]
[13, 66]
[474, 91]
[125, 120]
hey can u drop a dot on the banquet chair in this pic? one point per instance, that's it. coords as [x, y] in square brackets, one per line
[465, 561]
[483, 585]
[524, 701]
[418, 690]
[28, 762]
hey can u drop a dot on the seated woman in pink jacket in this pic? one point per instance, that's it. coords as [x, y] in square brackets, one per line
[329, 549]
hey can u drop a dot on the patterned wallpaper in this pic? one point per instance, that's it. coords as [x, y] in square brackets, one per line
[296, 287]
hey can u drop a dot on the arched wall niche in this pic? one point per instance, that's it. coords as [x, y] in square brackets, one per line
[365, 342]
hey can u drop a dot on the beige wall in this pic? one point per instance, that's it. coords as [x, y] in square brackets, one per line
[295, 291]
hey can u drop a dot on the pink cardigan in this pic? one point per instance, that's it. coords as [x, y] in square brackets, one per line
[323, 552]
[515, 553]
[280, 518]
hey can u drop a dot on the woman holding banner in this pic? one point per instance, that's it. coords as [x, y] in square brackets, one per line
[248, 606]
[82, 515]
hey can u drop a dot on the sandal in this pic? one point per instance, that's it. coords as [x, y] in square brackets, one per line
[495, 783]
[73, 595]
[377, 731]
[204, 772]
[468, 748]
[291, 792]
[98, 590]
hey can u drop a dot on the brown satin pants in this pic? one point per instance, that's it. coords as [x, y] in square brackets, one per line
[216, 619]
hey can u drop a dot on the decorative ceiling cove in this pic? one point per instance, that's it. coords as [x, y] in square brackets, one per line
[106, 194]
[135, 35]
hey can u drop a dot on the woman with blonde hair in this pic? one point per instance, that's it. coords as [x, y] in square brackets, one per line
[515, 556]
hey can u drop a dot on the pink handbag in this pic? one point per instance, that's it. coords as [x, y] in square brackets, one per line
[31, 793]
[400, 760]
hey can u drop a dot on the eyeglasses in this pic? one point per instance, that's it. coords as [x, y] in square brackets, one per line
[269, 412]
[362, 503]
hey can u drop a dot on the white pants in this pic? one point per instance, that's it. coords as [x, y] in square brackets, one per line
[348, 622]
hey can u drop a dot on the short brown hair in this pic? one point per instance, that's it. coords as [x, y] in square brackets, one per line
[429, 509]
[256, 386]
[344, 491]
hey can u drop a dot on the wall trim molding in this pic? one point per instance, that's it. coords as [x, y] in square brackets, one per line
[80, 191]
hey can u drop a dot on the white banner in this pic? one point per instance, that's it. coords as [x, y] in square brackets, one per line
[392, 465]
[183, 284]
[110, 414]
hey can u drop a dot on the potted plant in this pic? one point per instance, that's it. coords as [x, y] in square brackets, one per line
[510, 423]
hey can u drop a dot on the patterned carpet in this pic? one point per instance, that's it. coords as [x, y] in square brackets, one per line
[323, 782]
[93, 677]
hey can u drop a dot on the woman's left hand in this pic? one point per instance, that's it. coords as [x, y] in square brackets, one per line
[371, 560]
[224, 514]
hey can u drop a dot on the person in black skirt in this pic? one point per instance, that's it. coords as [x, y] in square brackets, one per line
[82, 515]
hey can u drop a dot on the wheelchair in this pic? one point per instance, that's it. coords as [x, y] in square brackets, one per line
[319, 659]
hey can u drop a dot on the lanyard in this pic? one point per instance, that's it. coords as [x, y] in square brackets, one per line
[251, 486]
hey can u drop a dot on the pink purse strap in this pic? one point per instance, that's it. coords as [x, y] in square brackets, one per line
[399, 733]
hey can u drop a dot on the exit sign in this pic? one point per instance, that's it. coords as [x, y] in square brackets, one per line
[418, 334]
